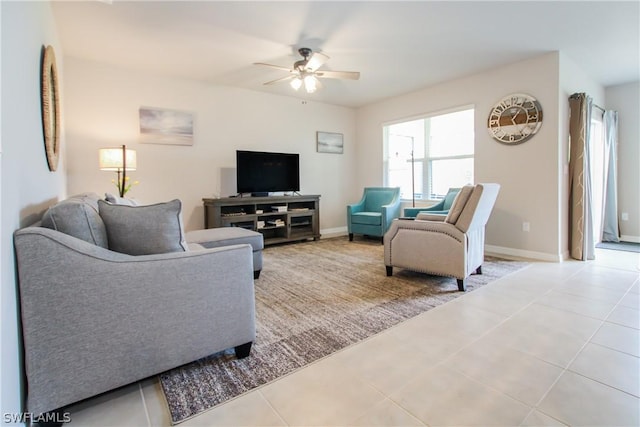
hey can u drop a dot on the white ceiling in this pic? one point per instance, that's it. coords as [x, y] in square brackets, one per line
[397, 46]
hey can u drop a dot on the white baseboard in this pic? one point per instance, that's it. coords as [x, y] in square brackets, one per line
[489, 249]
[632, 239]
[519, 253]
[327, 233]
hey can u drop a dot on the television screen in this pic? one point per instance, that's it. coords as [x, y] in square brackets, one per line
[263, 172]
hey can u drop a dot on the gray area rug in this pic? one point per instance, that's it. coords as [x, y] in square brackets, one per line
[313, 299]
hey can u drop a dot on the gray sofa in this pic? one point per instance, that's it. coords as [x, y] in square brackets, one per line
[94, 319]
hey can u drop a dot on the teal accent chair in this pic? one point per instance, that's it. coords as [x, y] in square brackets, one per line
[373, 214]
[441, 208]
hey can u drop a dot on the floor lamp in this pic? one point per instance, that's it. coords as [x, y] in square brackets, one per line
[413, 179]
[120, 160]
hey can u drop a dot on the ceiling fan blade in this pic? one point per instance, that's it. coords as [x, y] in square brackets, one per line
[277, 67]
[281, 79]
[350, 75]
[316, 60]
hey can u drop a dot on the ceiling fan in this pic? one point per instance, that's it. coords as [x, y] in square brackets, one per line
[305, 71]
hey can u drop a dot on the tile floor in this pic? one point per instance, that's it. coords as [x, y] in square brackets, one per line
[554, 344]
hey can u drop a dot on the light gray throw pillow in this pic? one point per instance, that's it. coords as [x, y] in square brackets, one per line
[78, 216]
[117, 200]
[144, 230]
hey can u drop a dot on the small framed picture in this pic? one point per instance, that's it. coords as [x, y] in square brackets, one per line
[330, 142]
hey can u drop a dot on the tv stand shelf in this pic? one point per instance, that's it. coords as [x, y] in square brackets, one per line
[279, 218]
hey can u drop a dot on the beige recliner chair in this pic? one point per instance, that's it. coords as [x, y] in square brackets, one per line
[451, 246]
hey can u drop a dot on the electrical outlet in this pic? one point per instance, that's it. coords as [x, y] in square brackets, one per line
[526, 226]
[625, 216]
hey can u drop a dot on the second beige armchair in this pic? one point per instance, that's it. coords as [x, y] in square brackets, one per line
[451, 246]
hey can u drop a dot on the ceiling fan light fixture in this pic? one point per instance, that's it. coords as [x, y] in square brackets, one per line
[306, 71]
[296, 83]
[310, 83]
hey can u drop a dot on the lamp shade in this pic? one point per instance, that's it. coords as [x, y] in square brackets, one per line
[111, 159]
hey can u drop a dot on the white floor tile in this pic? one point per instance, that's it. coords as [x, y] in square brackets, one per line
[251, 409]
[621, 338]
[321, 395]
[577, 304]
[444, 397]
[120, 408]
[625, 316]
[506, 370]
[579, 401]
[155, 403]
[496, 301]
[538, 419]
[385, 362]
[631, 300]
[552, 335]
[388, 414]
[592, 292]
[610, 367]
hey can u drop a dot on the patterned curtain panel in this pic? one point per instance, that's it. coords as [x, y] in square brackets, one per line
[581, 242]
[610, 228]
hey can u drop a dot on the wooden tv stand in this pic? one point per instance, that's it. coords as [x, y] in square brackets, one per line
[279, 218]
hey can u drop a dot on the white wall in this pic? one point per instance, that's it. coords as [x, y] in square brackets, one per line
[27, 185]
[528, 173]
[102, 110]
[625, 99]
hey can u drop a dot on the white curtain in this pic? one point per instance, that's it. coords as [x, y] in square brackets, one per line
[610, 229]
[581, 237]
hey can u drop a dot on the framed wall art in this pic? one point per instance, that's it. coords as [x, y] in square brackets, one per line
[163, 126]
[330, 142]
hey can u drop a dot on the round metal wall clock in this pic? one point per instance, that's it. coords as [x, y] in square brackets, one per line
[515, 119]
[50, 108]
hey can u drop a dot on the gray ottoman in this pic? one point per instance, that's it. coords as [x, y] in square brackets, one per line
[225, 236]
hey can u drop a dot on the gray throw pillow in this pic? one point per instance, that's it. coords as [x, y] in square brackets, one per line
[144, 230]
[117, 200]
[78, 216]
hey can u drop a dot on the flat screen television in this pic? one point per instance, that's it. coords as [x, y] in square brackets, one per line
[260, 173]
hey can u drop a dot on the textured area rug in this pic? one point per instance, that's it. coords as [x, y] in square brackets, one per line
[312, 299]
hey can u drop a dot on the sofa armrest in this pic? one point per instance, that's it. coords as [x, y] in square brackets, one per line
[435, 207]
[391, 211]
[426, 216]
[355, 207]
[94, 320]
[429, 226]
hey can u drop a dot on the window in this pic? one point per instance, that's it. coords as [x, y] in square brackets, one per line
[427, 156]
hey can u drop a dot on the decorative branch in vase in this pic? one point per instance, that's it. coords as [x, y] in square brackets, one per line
[124, 185]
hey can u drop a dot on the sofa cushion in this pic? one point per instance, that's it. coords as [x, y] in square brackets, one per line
[144, 230]
[367, 218]
[458, 204]
[225, 236]
[78, 216]
[117, 200]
